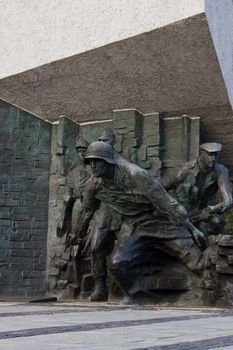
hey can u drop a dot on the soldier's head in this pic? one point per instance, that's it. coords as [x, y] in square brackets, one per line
[81, 146]
[108, 136]
[209, 153]
[100, 156]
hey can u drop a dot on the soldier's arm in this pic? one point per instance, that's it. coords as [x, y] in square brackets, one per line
[67, 205]
[171, 180]
[225, 189]
[85, 214]
[169, 206]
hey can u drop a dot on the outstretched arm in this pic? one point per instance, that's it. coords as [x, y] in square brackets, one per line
[225, 188]
[168, 205]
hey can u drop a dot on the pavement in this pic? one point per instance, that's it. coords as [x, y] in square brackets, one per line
[102, 326]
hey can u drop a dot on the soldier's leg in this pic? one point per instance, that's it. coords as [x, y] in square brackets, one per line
[200, 262]
[101, 246]
[133, 259]
[184, 248]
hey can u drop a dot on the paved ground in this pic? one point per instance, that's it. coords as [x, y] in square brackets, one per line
[114, 327]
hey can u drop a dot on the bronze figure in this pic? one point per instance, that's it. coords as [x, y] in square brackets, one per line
[150, 218]
[196, 186]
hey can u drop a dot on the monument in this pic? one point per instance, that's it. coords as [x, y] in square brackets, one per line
[136, 239]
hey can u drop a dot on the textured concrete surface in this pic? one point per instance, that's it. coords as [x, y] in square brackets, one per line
[173, 69]
[33, 33]
[111, 326]
[220, 18]
[168, 69]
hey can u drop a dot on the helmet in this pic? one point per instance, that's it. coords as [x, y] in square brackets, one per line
[108, 136]
[81, 143]
[211, 147]
[100, 150]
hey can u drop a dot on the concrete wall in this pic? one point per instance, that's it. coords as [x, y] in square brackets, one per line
[220, 18]
[34, 32]
[24, 191]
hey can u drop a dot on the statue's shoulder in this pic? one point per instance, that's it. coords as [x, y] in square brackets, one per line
[186, 169]
[133, 169]
[221, 169]
[191, 165]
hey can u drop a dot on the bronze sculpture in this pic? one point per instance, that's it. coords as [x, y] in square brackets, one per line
[150, 217]
[102, 234]
[196, 185]
[75, 184]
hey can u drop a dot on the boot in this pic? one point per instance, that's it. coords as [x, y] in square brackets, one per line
[100, 292]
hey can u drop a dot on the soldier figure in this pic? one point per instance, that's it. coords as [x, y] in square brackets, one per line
[75, 184]
[195, 186]
[104, 224]
[150, 217]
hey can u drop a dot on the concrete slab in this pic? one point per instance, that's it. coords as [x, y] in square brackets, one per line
[101, 326]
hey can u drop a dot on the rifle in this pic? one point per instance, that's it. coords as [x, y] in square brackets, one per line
[205, 214]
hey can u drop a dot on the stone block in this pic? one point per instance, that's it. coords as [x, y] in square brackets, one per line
[3, 179]
[22, 224]
[66, 254]
[153, 140]
[21, 253]
[120, 132]
[14, 202]
[61, 284]
[87, 284]
[224, 269]
[53, 271]
[172, 283]
[119, 124]
[5, 213]
[156, 164]
[225, 241]
[19, 237]
[60, 264]
[151, 124]
[225, 250]
[230, 259]
[32, 274]
[144, 165]
[152, 151]
[70, 291]
[133, 142]
[39, 267]
[142, 153]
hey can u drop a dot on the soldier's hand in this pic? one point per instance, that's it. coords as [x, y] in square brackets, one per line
[200, 238]
[60, 229]
[218, 208]
[72, 239]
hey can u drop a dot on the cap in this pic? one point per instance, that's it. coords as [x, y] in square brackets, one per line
[211, 147]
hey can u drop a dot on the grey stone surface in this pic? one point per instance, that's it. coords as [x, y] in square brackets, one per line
[24, 188]
[111, 326]
[220, 19]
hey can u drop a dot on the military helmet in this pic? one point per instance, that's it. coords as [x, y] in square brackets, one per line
[211, 147]
[100, 150]
[108, 136]
[81, 143]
